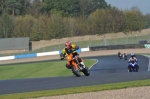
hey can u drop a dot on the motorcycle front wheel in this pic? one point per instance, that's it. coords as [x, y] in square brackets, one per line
[76, 72]
[86, 71]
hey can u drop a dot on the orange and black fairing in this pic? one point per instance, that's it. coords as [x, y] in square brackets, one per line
[71, 62]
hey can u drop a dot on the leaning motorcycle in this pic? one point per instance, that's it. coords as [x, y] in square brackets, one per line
[77, 65]
[133, 66]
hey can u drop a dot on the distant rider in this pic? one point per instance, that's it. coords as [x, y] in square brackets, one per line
[69, 49]
[119, 54]
[125, 55]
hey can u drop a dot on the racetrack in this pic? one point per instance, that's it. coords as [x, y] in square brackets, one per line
[109, 69]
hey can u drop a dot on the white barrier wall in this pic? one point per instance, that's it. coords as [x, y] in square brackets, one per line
[7, 58]
[85, 49]
[47, 53]
[38, 54]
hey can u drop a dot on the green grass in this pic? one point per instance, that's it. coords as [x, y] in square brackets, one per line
[36, 70]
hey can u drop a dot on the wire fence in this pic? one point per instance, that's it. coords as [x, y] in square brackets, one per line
[85, 41]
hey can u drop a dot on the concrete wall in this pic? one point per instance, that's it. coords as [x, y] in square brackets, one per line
[14, 43]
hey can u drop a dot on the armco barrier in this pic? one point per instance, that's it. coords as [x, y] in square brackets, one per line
[112, 47]
[38, 54]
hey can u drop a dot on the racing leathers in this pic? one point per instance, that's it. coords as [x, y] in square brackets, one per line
[68, 51]
[133, 59]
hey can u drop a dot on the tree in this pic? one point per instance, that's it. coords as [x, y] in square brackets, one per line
[116, 20]
[56, 26]
[62, 7]
[100, 21]
[6, 26]
[86, 7]
[37, 8]
[99, 4]
[134, 20]
[23, 26]
[10, 6]
[147, 18]
[3, 4]
[25, 4]
[89, 6]
[14, 6]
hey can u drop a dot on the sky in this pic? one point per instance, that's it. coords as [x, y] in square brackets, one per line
[143, 5]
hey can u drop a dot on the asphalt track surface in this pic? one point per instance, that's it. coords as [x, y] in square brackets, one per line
[108, 69]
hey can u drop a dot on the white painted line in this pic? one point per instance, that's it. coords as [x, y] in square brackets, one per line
[94, 63]
[149, 61]
[149, 65]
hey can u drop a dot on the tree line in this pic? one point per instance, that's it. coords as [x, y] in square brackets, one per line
[48, 19]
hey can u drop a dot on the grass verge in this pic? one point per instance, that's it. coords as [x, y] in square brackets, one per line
[37, 70]
[94, 88]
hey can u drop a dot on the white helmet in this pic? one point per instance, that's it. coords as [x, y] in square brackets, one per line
[132, 55]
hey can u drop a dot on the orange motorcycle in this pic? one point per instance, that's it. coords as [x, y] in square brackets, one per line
[77, 65]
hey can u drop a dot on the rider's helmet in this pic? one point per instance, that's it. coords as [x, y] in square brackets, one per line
[132, 55]
[68, 45]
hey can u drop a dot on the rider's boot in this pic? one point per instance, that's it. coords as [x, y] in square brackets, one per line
[129, 70]
[68, 66]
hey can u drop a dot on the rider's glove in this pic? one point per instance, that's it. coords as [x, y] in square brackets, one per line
[62, 56]
[77, 47]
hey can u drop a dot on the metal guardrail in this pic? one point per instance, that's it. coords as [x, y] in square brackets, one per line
[112, 47]
[94, 48]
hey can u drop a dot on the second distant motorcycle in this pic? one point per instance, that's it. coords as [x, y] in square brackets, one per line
[125, 56]
[120, 55]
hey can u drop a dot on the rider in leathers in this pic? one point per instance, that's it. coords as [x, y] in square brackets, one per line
[133, 58]
[69, 48]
